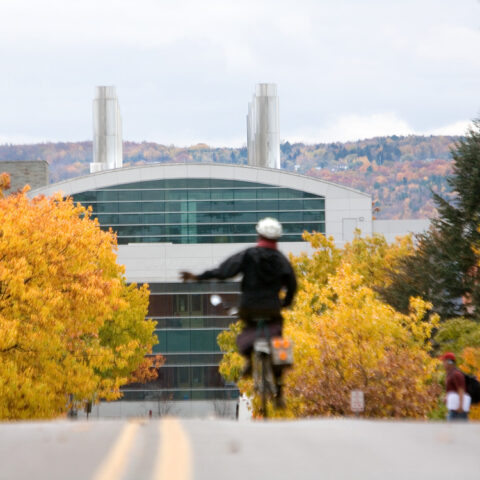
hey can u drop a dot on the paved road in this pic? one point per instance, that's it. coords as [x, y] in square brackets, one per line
[214, 449]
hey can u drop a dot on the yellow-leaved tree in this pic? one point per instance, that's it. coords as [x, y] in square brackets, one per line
[71, 329]
[470, 363]
[346, 338]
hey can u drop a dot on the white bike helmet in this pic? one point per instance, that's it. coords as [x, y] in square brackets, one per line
[269, 228]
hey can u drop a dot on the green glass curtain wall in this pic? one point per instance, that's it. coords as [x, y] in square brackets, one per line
[201, 210]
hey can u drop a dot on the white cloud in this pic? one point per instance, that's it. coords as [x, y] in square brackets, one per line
[457, 128]
[354, 127]
[358, 127]
[450, 44]
[187, 140]
[186, 68]
[141, 23]
[22, 139]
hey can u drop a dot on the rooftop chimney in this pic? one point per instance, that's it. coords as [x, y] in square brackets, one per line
[263, 127]
[107, 131]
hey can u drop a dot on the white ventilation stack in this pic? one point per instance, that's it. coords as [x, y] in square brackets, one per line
[263, 127]
[107, 131]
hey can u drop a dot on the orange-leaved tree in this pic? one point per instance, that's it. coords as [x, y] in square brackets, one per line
[71, 329]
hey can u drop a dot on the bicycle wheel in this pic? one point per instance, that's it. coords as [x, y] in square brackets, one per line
[265, 387]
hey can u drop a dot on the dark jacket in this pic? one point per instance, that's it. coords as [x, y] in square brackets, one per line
[265, 272]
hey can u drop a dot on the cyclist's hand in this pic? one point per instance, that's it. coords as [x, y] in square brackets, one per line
[186, 276]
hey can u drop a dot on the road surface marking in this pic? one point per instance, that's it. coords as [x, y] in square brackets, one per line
[114, 465]
[175, 455]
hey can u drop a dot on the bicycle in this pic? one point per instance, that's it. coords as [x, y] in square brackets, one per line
[268, 353]
[263, 378]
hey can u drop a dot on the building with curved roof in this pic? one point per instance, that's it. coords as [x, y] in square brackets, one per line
[174, 217]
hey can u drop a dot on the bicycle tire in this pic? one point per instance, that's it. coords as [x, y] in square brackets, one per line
[265, 387]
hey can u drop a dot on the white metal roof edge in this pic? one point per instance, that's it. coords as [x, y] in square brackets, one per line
[111, 177]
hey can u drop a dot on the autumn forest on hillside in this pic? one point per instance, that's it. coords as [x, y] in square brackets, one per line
[399, 172]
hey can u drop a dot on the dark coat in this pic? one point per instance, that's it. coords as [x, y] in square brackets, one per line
[265, 272]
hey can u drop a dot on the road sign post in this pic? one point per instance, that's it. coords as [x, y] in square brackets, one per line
[357, 401]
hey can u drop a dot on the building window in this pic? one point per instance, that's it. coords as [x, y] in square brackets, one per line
[187, 327]
[201, 210]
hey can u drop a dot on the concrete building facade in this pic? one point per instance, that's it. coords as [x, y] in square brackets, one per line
[391, 229]
[33, 173]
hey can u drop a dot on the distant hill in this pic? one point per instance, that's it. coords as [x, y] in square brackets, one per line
[399, 172]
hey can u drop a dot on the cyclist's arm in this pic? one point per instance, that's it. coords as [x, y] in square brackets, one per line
[228, 269]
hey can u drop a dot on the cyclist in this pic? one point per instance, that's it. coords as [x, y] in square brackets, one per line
[266, 272]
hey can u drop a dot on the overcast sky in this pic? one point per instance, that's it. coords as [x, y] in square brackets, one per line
[185, 69]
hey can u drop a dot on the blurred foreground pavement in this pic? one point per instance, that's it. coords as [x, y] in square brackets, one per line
[174, 449]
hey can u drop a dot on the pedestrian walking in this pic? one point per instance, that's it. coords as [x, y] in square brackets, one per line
[457, 399]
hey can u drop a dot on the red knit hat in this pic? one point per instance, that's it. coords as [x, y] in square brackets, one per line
[448, 356]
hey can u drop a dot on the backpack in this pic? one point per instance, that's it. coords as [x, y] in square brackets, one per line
[473, 388]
